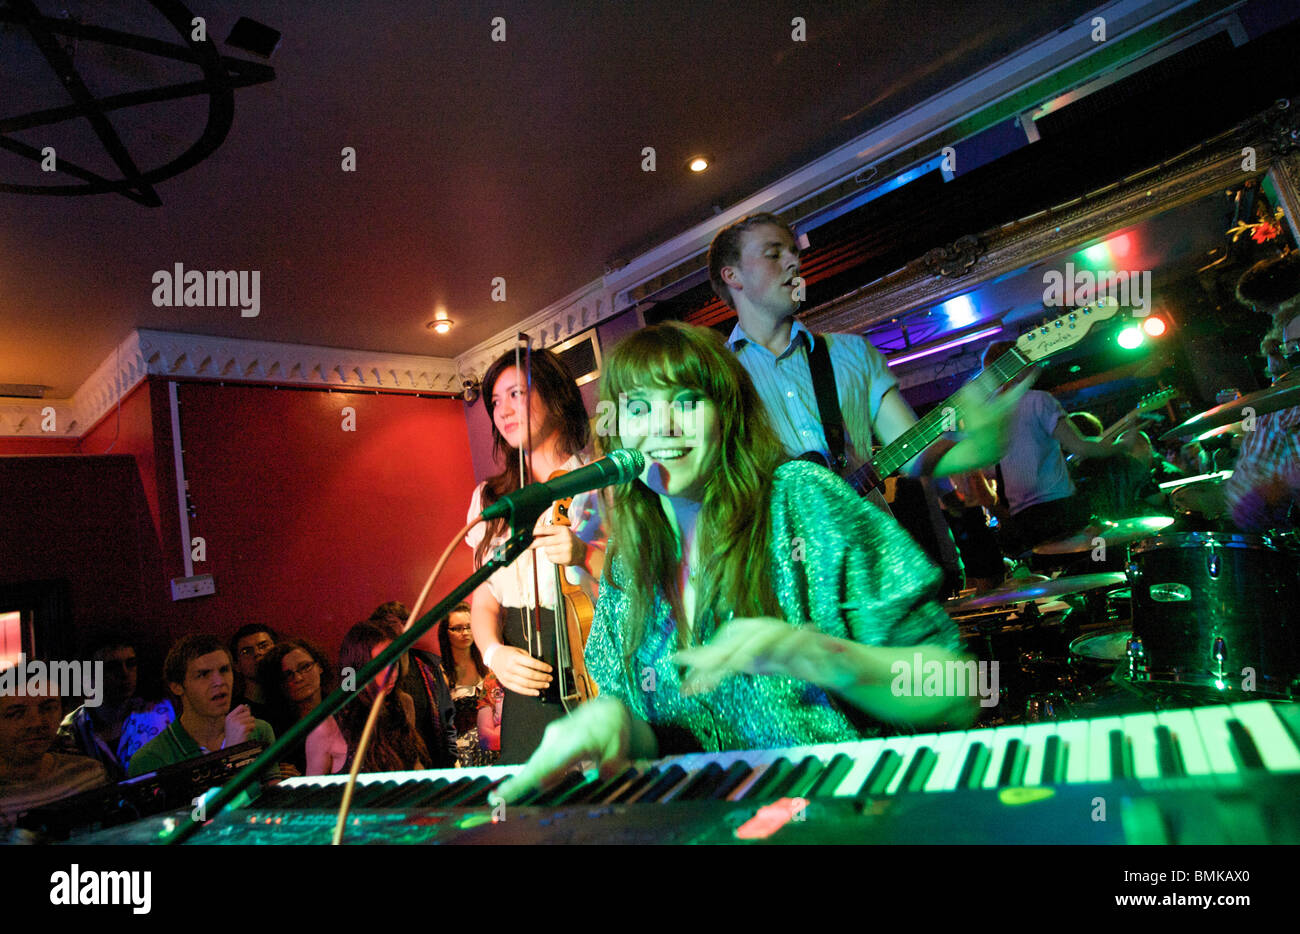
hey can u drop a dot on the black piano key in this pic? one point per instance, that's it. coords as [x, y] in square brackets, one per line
[1013, 763]
[366, 796]
[424, 791]
[639, 784]
[669, 779]
[784, 786]
[600, 791]
[701, 784]
[879, 777]
[580, 791]
[1120, 766]
[1053, 767]
[803, 778]
[1243, 746]
[773, 776]
[973, 769]
[831, 776]
[556, 793]
[919, 769]
[392, 796]
[735, 776]
[276, 796]
[452, 789]
[1169, 756]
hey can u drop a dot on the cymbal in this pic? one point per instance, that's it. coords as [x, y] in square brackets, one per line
[1281, 395]
[1124, 532]
[1022, 591]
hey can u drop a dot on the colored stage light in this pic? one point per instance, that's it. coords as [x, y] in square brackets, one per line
[1155, 326]
[1131, 337]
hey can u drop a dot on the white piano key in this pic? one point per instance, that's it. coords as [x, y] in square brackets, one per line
[997, 744]
[1035, 740]
[947, 748]
[1182, 724]
[1140, 734]
[1099, 765]
[1212, 722]
[1276, 747]
[761, 760]
[969, 739]
[1073, 735]
[907, 752]
[864, 759]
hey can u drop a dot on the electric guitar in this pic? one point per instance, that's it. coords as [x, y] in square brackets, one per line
[1036, 345]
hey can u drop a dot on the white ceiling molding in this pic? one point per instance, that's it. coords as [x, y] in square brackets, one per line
[166, 353]
[571, 315]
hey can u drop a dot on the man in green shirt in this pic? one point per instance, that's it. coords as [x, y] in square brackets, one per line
[198, 670]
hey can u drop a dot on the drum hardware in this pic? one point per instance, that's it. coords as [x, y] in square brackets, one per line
[1281, 395]
[1113, 534]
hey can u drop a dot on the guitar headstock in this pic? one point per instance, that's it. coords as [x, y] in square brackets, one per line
[1065, 331]
[1154, 400]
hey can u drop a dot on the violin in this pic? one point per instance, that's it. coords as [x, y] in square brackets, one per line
[574, 613]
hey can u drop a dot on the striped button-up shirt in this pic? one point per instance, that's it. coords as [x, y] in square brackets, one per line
[784, 383]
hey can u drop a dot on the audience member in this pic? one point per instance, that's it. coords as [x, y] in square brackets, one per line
[199, 673]
[423, 678]
[248, 646]
[295, 675]
[31, 774]
[465, 671]
[122, 723]
[395, 745]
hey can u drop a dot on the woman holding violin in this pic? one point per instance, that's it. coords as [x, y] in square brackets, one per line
[545, 427]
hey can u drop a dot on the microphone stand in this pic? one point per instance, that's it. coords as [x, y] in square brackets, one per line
[504, 556]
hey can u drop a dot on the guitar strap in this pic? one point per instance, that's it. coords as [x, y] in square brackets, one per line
[828, 403]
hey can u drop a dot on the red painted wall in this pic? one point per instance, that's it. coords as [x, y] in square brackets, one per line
[129, 429]
[20, 447]
[307, 526]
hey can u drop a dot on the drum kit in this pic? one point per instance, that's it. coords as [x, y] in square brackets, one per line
[1200, 612]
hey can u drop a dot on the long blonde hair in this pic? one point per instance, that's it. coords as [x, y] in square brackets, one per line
[733, 522]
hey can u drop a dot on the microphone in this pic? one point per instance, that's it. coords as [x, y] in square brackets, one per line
[524, 505]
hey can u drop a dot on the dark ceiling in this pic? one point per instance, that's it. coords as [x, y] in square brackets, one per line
[475, 159]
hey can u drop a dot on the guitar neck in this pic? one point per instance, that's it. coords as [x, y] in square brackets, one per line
[938, 420]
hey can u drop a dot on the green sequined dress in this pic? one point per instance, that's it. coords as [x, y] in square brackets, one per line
[837, 562]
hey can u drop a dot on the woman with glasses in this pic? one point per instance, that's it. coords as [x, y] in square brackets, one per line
[465, 673]
[296, 675]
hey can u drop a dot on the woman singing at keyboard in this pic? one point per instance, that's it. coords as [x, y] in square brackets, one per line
[746, 602]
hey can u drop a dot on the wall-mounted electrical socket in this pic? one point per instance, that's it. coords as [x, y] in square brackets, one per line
[186, 588]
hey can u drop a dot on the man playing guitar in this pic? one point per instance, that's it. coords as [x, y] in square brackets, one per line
[753, 266]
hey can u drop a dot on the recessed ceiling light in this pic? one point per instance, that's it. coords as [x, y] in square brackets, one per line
[698, 164]
[440, 325]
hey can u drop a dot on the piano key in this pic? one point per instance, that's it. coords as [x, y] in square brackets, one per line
[1053, 771]
[976, 764]
[630, 791]
[737, 772]
[1013, 764]
[1246, 753]
[798, 778]
[1074, 751]
[556, 793]
[1140, 731]
[1212, 723]
[668, 779]
[1035, 738]
[1275, 744]
[918, 770]
[471, 795]
[864, 759]
[1169, 756]
[1187, 738]
[948, 751]
[1120, 767]
[614, 787]
[773, 778]
[701, 784]
[831, 776]
[997, 745]
[1102, 762]
[760, 760]
[882, 773]
[908, 750]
